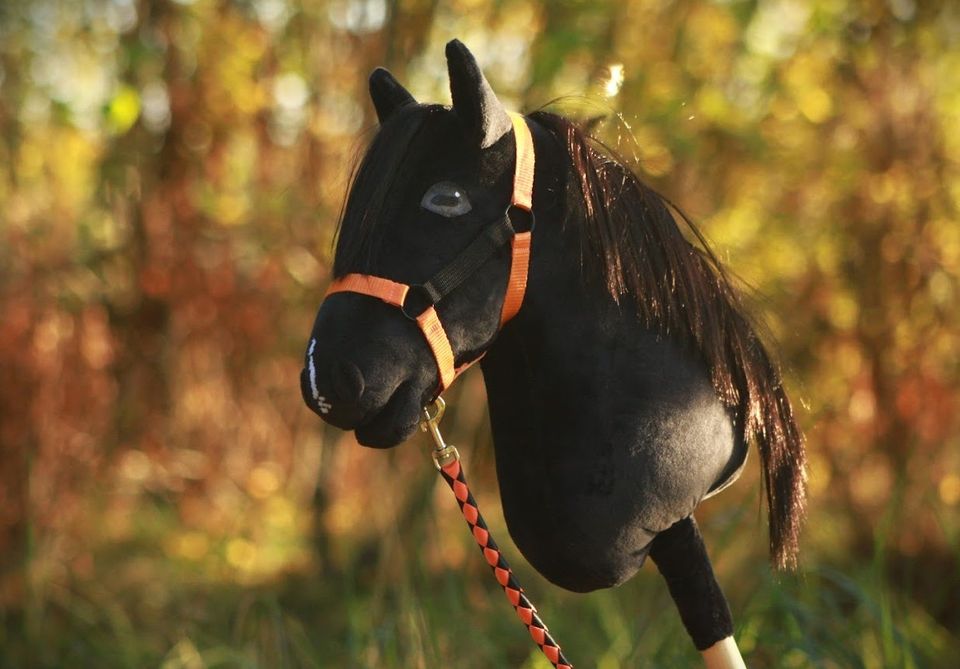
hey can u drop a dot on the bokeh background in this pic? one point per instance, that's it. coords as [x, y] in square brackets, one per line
[170, 178]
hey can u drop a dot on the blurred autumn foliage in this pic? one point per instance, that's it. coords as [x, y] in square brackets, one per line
[170, 178]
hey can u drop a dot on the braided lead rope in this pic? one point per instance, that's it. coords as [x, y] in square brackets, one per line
[447, 460]
[526, 611]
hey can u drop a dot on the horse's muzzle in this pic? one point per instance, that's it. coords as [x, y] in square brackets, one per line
[335, 394]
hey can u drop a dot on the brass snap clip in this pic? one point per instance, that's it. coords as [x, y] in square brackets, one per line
[443, 453]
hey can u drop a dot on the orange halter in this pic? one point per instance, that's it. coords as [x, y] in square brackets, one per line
[396, 294]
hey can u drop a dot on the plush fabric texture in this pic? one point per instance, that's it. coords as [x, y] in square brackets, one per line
[608, 426]
[483, 116]
[387, 94]
[605, 432]
[682, 559]
[386, 233]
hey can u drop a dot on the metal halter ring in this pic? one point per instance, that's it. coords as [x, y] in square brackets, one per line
[515, 214]
[417, 301]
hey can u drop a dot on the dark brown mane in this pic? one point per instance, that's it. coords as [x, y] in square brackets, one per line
[382, 172]
[631, 243]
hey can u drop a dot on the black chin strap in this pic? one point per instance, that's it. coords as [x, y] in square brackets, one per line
[493, 238]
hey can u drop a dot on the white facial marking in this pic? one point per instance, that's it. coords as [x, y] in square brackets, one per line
[321, 401]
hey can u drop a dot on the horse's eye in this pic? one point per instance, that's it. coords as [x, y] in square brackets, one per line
[447, 199]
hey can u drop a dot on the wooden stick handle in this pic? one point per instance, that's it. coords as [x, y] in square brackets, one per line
[724, 654]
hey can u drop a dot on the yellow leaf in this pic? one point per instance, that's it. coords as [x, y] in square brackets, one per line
[123, 110]
[815, 104]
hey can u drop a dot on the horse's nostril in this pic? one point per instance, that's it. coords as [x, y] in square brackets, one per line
[347, 381]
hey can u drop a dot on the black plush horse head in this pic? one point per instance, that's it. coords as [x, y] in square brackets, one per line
[432, 179]
[626, 388]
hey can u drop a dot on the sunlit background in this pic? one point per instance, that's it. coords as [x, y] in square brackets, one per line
[170, 178]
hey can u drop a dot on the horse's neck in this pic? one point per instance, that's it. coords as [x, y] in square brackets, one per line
[582, 393]
[572, 359]
[541, 360]
[604, 432]
[561, 327]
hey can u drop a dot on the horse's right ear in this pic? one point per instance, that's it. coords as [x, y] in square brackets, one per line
[387, 94]
[475, 103]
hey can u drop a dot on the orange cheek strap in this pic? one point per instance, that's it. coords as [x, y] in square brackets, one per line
[522, 199]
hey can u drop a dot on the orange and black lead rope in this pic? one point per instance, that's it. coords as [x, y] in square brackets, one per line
[452, 473]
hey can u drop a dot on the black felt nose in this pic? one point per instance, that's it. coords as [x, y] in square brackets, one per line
[347, 380]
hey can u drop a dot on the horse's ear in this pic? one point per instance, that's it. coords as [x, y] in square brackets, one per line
[474, 102]
[387, 94]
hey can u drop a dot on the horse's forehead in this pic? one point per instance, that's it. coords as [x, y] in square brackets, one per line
[412, 150]
[439, 138]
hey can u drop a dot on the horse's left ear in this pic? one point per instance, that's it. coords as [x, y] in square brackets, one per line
[387, 93]
[474, 102]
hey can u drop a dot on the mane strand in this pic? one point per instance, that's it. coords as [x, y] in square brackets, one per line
[632, 244]
[381, 173]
